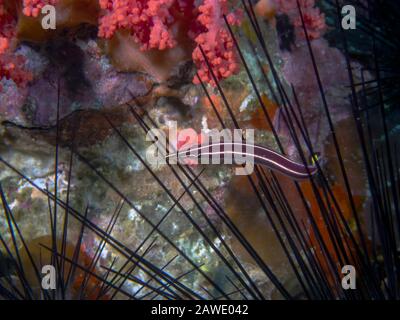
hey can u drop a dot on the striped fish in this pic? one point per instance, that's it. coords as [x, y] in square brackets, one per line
[241, 152]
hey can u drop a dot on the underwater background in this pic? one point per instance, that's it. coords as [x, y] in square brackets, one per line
[78, 99]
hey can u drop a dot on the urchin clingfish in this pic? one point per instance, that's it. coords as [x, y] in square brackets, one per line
[230, 152]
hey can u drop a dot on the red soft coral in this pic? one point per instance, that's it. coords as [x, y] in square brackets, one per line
[151, 22]
[11, 65]
[148, 21]
[216, 42]
[314, 19]
[7, 27]
[32, 8]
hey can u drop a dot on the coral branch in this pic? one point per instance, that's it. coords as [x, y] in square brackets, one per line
[7, 27]
[10, 64]
[32, 8]
[151, 24]
[149, 21]
[216, 42]
[314, 19]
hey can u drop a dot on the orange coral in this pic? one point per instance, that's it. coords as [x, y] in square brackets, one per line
[341, 197]
[258, 119]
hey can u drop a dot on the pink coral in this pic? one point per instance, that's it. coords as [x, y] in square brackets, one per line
[7, 27]
[314, 19]
[151, 23]
[216, 41]
[10, 64]
[32, 8]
